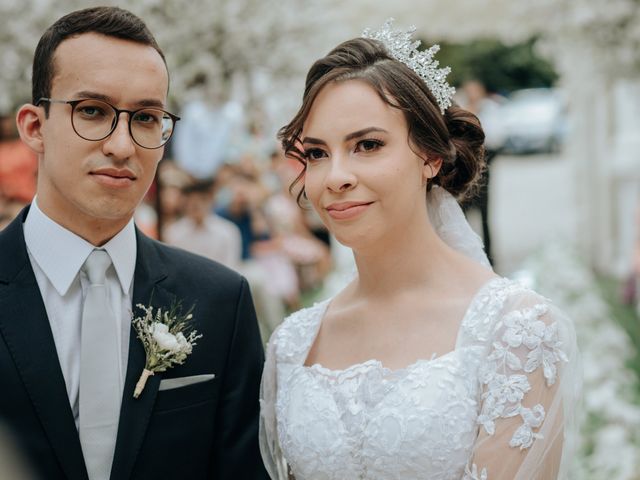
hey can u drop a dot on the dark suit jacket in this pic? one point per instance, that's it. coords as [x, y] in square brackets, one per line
[201, 431]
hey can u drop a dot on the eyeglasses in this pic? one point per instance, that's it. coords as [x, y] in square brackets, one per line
[95, 120]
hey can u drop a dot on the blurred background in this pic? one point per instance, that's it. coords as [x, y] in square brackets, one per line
[556, 84]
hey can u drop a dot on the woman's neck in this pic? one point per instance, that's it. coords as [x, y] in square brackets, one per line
[414, 258]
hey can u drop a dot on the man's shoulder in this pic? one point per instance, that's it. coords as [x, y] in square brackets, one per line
[13, 251]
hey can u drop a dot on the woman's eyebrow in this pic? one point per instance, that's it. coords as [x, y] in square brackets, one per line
[350, 136]
[363, 132]
[313, 141]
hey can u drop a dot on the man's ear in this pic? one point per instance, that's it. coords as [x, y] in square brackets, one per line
[430, 168]
[29, 120]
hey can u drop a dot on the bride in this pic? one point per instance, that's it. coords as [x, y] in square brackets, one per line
[427, 365]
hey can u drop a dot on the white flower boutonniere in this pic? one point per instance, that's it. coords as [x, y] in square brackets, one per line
[167, 339]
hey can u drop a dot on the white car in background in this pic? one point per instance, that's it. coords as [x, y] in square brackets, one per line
[534, 121]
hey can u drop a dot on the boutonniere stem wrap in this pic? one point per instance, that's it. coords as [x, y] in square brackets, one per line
[167, 337]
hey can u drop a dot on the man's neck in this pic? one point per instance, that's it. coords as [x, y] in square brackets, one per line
[95, 231]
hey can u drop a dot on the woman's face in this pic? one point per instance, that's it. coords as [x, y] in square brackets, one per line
[362, 177]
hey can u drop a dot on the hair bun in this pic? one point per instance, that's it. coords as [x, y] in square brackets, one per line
[461, 172]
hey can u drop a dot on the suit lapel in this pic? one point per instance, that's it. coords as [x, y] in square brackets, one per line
[136, 413]
[25, 327]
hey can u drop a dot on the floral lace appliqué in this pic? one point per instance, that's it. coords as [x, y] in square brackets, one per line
[473, 474]
[504, 375]
[524, 436]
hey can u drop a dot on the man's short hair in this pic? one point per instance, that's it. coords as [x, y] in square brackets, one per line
[110, 21]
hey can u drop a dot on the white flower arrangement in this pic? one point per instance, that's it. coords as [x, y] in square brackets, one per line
[609, 441]
[168, 340]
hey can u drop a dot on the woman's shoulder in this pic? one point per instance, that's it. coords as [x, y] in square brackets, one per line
[503, 299]
[294, 335]
[521, 316]
[515, 297]
[501, 294]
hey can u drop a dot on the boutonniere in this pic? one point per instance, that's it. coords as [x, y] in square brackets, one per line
[167, 337]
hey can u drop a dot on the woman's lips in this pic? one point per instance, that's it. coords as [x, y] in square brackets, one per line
[347, 210]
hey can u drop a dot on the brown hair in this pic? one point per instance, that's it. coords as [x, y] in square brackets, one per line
[109, 21]
[456, 137]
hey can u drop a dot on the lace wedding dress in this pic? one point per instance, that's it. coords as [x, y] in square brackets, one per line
[499, 406]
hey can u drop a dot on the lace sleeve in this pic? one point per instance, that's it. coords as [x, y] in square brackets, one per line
[269, 444]
[530, 385]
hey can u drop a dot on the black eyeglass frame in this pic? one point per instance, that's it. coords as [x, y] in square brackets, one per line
[131, 113]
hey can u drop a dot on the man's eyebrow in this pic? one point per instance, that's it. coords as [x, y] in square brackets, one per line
[146, 102]
[93, 95]
[351, 136]
[149, 102]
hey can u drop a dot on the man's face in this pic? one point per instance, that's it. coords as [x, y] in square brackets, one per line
[90, 184]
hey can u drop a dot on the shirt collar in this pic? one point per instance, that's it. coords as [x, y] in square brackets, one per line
[62, 264]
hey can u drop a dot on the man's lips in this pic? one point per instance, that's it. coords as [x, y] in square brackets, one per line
[346, 210]
[114, 177]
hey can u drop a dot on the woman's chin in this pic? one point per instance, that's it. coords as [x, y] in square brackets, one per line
[354, 242]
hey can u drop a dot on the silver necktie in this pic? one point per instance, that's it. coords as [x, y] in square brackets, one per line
[99, 372]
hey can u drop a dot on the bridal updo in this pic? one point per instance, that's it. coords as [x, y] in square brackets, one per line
[456, 137]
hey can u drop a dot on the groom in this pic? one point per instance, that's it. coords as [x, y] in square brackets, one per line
[73, 267]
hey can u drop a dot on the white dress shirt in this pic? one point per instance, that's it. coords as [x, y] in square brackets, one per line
[57, 256]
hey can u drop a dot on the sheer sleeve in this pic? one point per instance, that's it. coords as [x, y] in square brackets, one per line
[531, 383]
[269, 444]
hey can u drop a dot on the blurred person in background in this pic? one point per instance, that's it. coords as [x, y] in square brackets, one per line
[171, 180]
[146, 216]
[242, 200]
[288, 226]
[631, 285]
[201, 144]
[475, 98]
[251, 144]
[18, 171]
[202, 231]
[9, 208]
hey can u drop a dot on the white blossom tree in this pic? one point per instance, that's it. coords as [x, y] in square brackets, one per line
[22, 25]
[257, 50]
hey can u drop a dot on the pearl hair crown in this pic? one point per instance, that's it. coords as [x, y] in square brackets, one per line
[404, 49]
